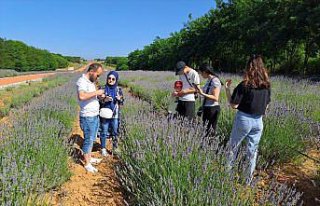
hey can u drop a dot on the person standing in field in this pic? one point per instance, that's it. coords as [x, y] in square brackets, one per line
[89, 111]
[251, 98]
[110, 124]
[210, 109]
[190, 79]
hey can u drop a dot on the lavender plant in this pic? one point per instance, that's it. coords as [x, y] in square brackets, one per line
[291, 121]
[8, 73]
[169, 162]
[18, 96]
[33, 147]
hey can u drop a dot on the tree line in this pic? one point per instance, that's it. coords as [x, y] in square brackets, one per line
[120, 63]
[18, 56]
[285, 32]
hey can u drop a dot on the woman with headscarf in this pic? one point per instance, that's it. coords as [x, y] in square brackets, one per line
[110, 123]
[251, 98]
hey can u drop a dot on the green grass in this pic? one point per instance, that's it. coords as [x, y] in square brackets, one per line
[18, 96]
[282, 138]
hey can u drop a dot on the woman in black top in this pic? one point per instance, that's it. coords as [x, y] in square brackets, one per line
[251, 97]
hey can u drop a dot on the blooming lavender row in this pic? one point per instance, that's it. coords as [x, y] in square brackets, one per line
[287, 94]
[293, 117]
[170, 162]
[33, 147]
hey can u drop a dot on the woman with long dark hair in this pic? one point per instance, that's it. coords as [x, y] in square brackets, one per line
[251, 98]
[210, 92]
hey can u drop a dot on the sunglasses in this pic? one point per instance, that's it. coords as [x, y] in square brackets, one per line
[111, 78]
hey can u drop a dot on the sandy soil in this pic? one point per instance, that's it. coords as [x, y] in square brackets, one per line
[84, 188]
[304, 176]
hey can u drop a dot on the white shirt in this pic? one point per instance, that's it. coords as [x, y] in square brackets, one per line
[194, 78]
[89, 107]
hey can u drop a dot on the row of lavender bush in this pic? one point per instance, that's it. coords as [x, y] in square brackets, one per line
[292, 121]
[8, 73]
[33, 147]
[16, 97]
[169, 162]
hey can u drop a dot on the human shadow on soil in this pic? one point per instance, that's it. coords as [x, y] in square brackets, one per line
[76, 142]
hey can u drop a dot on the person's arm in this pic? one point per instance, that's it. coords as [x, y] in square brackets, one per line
[213, 96]
[269, 99]
[228, 93]
[183, 92]
[119, 96]
[82, 95]
[195, 86]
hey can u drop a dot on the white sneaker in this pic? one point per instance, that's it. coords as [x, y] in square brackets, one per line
[95, 160]
[90, 168]
[104, 152]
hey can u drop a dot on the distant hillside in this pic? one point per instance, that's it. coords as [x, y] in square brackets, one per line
[21, 57]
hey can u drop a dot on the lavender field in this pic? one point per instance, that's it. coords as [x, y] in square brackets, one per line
[164, 161]
[163, 164]
[34, 150]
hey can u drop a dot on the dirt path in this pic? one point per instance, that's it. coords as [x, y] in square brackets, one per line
[30, 77]
[23, 78]
[304, 175]
[84, 189]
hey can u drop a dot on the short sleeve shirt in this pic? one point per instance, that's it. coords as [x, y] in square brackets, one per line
[215, 83]
[193, 78]
[89, 107]
[251, 100]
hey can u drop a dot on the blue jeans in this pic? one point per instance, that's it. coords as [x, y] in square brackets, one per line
[89, 126]
[109, 127]
[250, 127]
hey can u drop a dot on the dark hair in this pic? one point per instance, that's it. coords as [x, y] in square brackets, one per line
[94, 67]
[208, 69]
[256, 75]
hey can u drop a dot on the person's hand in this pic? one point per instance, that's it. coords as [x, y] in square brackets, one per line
[228, 83]
[174, 94]
[181, 93]
[118, 97]
[101, 97]
[108, 99]
[99, 92]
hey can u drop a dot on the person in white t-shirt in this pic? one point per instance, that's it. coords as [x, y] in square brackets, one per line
[89, 111]
[191, 80]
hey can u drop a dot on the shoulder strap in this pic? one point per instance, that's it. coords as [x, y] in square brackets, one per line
[207, 91]
[188, 79]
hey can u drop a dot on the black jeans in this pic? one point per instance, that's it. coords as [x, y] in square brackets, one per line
[186, 109]
[210, 117]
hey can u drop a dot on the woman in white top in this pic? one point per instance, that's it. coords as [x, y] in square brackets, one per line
[210, 105]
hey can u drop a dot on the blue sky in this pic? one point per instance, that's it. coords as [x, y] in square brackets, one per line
[95, 28]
